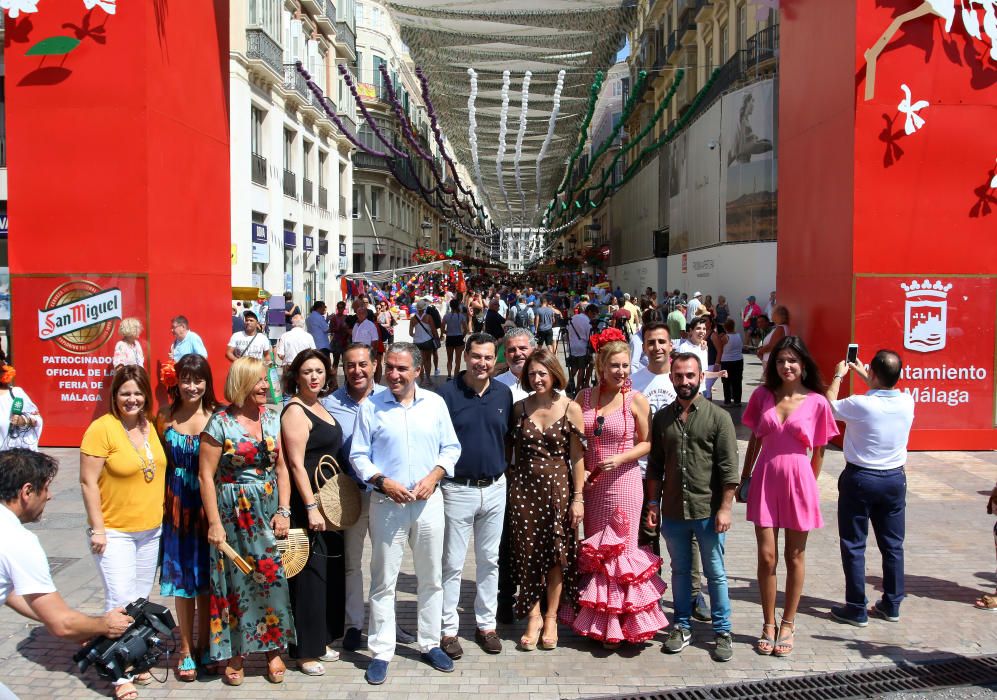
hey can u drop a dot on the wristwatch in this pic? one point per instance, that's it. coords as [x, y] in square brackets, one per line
[378, 482]
[91, 532]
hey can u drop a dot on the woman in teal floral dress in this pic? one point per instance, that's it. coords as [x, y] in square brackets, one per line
[246, 490]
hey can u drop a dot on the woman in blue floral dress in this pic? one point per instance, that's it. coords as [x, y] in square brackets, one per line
[246, 491]
[184, 547]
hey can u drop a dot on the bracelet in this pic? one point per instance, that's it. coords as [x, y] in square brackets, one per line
[839, 376]
[652, 503]
[283, 511]
[579, 498]
[311, 506]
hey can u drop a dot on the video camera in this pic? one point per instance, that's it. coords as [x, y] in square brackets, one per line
[137, 650]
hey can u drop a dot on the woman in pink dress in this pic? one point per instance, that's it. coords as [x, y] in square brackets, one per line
[619, 587]
[788, 418]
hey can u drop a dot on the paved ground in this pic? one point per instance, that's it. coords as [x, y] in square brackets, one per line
[950, 559]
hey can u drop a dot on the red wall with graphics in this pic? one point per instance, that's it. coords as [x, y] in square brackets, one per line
[118, 156]
[865, 207]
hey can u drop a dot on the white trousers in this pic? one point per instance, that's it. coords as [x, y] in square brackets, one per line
[127, 566]
[421, 523]
[481, 511]
[353, 557]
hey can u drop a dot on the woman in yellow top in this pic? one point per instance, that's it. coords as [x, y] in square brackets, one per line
[122, 475]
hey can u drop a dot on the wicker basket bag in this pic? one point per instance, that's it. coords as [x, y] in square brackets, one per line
[338, 496]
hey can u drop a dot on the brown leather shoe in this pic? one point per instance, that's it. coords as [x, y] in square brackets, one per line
[451, 647]
[489, 641]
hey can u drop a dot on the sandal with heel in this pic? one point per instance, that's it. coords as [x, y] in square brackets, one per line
[549, 643]
[766, 643]
[785, 643]
[526, 643]
[187, 669]
[125, 691]
[234, 676]
[275, 675]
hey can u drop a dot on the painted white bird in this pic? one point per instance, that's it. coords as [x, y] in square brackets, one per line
[914, 121]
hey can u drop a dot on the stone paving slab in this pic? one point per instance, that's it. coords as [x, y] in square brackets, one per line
[950, 560]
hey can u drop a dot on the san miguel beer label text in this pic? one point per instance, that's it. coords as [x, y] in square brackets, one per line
[79, 316]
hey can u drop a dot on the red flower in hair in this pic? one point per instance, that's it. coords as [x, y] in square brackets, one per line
[7, 374]
[168, 374]
[609, 335]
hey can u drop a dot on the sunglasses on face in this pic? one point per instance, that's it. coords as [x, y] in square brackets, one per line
[599, 421]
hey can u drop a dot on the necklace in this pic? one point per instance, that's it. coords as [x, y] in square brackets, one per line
[148, 462]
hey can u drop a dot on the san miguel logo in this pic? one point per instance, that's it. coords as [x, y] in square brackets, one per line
[925, 315]
[79, 316]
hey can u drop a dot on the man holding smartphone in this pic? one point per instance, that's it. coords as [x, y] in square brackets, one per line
[873, 486]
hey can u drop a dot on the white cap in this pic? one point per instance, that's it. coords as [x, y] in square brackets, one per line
[697, 294]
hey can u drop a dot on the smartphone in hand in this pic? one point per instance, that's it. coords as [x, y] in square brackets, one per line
[853, 353]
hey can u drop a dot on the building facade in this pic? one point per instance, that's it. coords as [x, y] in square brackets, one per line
[291, 163]
[390, 221]
[698, 214]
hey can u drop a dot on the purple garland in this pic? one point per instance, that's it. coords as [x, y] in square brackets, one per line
[317, 91]
[424, 83]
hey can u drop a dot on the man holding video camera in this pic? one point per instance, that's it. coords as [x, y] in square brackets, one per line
[25, 581]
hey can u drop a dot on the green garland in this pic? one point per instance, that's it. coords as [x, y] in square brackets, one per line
[582, 138]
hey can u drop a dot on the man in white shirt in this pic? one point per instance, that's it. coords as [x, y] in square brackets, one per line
[696, 344]
[579, 350]
[873, 486]
[770, 306]
[294, 341]
[403, 445]
[654, 382]
[250, 342]
[694, 304]
[519, 343]
[635, 320]
[25, 580]
[364, 330]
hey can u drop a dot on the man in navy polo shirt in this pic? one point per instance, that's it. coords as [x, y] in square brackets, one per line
[474, 499]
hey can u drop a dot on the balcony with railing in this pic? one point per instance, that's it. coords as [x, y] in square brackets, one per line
[307, 188]
[346, 38]
[323, 198]
[258, 169]
[764, 45]
[703, 10]
[264, 50]
[295, 83]
[687, 26]
[365, 161]
[326, 19]
[290, 184]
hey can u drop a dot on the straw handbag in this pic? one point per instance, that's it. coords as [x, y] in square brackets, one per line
[294, 550]
[338, 496]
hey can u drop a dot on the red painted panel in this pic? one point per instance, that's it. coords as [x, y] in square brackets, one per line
[119, 163]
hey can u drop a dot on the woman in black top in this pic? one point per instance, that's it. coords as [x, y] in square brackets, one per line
[318, 592]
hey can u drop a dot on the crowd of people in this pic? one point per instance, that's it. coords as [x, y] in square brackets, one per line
[566, 480]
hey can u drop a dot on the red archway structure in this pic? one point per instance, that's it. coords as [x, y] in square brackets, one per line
[888, 205]
[118, 156]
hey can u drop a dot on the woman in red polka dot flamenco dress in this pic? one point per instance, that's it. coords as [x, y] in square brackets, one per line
[619, 591]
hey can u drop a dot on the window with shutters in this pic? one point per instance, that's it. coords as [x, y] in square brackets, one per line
[266, 15]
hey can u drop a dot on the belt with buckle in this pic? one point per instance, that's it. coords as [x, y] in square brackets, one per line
[476, 483]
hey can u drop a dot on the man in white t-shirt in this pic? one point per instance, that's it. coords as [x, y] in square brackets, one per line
[579, 350]
[654, 382]
[294, 341]
[364, 330]
[250, 342]
[873, 486]
[694, 304]
[519, 343]
[25, 580]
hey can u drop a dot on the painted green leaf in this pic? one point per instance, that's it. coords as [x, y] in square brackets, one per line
[54, 46]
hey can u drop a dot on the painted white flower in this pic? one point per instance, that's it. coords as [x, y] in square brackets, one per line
[16, 7]
[914, 121]
[993, 183]
[107, 6]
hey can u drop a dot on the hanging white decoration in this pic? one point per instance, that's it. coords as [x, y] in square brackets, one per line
[503, 123]
[914, 121]
[472, 129]
[550, 128]
[523, 108]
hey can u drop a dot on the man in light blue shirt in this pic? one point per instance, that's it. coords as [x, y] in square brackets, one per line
[403, 445]
[185, 341]
[318, 327]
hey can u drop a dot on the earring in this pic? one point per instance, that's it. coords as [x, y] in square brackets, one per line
[627, 385]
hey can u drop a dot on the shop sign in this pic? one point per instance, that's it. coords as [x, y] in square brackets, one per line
[943, 328]
[290, 239]
[261, 253]
[308, 242]
[259, 233]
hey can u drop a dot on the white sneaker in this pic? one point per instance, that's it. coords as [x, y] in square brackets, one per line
[329, 655]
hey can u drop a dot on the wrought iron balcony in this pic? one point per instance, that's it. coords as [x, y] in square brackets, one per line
[347, 38]
[306, 190]
[294, 81]
[290, 185]
[260, 47]
[323, 198]
[764, 46]
[365, 161]
[258, 169]
[704, 10]
[327, 18]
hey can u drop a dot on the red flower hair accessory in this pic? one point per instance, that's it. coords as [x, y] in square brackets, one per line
[168, 374]
[7, 374]
[610, 335]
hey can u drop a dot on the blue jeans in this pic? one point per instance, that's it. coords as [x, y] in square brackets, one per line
[678, 538]
[866, 495]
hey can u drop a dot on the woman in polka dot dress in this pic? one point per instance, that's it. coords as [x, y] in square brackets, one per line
[547, 475]
[619, 589]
